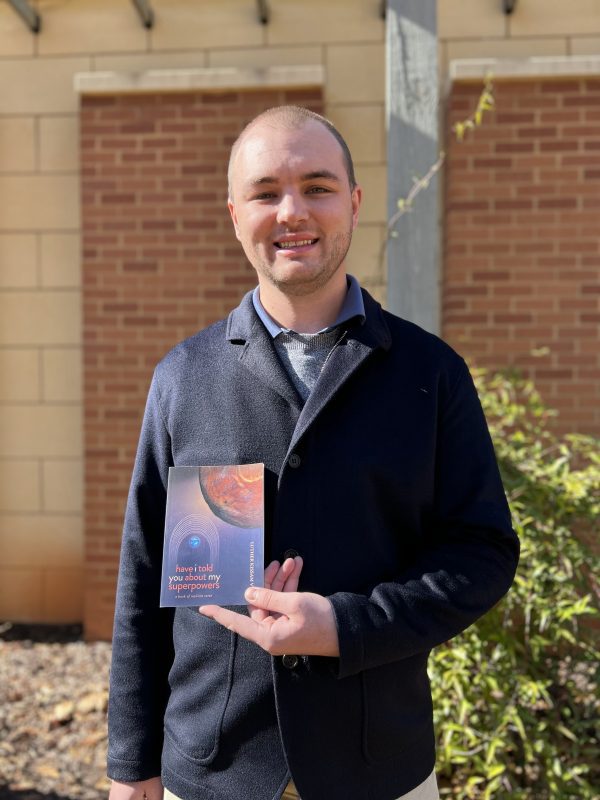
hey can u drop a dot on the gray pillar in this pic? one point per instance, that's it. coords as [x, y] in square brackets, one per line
[412, 128]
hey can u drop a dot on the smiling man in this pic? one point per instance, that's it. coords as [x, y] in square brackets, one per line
[387, 529]
[294, 207]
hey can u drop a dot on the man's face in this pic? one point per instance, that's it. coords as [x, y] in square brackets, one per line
[292, 206]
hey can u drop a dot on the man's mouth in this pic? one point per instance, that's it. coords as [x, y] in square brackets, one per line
[294, 244]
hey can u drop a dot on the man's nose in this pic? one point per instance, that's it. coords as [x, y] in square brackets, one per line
[292, 209]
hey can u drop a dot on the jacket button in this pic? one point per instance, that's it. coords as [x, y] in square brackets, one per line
[294, 461]
[291, 662]
[290, 553]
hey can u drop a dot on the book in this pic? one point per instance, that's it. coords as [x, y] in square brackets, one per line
[214, 535]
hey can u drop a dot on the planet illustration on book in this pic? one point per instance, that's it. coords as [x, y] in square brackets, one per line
[234, 493]
[194, 541]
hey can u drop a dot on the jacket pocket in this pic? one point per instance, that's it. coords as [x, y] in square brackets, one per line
[200, 680]
[397, 707]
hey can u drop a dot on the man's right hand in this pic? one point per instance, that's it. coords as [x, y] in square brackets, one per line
[152, 789]
[281, 578]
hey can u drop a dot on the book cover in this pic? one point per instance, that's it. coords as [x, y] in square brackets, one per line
[214, 535]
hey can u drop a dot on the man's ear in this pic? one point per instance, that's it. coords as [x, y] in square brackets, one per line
[356, 201]
[231, 208]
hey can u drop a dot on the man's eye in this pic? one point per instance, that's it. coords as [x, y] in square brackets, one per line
[264, 196]
[317, 190]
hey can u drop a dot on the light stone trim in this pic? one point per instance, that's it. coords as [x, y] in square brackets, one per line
[535, 67]
[210, 78]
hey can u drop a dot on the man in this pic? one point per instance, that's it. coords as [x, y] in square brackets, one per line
[385, 516]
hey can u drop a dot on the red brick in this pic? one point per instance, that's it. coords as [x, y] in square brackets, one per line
[560, 116]
[539, 263]
[465, 318]
[144, 126]
[515, 204]
[492, 163]
[560, 86]
[536, 132]
[558, 202]
[537, 102]
[508, 319]
[514, 118]
[555, 374]
[559, 146]
[513, 177]
[514, 147]
[582, 100]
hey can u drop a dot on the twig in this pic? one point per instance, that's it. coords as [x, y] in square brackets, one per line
[485, 103]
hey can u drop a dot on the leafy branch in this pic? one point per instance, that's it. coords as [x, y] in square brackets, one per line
[515, 696]
[485, 103]
[405, 204]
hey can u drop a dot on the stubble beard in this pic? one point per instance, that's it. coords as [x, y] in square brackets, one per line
[305, 285]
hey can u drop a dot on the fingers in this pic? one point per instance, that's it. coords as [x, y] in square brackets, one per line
[271, 573]
[274, 602]
[272, 599]
[283, 577]
[280, 578]
[257, 614]
[293, 623]
[273, 579]
[245, 626]
[273, 606]
[266, 633]
[293, 580]
[287, 577]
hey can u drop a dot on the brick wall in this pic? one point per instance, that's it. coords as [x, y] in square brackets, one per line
[160, 261]
[522, 249]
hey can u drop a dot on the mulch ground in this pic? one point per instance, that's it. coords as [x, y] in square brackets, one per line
[53, 699]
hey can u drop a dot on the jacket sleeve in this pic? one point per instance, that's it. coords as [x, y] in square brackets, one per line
[470, 556]
[142, 640]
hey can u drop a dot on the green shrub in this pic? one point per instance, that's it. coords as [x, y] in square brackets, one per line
[515, 695]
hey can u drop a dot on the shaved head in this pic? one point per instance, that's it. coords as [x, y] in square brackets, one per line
[291, 118]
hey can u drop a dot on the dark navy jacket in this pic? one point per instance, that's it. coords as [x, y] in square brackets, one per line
[394, 500]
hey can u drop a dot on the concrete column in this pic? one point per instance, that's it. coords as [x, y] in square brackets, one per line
[412, 127]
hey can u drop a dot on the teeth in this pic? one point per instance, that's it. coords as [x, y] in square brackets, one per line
[288, 245]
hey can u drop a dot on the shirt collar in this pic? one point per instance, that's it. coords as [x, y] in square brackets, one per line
[353, 306]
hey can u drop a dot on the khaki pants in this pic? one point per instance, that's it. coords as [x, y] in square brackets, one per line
[426, 791]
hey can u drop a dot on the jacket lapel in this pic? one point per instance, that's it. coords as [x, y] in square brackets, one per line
[346, 357]
[257, 353]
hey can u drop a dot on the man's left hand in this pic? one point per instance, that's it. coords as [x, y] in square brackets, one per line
[293, 623]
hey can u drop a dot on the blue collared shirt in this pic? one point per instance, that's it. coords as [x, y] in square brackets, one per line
[353, 306]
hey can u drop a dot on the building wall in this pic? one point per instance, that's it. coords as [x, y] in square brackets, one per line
[522, 242]
[479, 29]
[41, 411]
[521, 250]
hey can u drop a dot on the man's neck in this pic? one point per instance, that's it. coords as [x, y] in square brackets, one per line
[305, 313]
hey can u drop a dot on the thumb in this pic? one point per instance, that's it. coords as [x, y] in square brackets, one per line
[269, 599]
